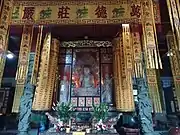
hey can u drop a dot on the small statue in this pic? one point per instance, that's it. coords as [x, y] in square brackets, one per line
[107, 90]
[86, 79]
[64, 91]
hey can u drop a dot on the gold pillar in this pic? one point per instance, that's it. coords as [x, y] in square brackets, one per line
[174, 56]
[47, 75]
[21, 72]
[123, 69]
[5, 16]
[174, 15]
[152, 56]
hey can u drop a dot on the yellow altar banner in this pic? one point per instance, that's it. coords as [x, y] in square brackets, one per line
[78, 12]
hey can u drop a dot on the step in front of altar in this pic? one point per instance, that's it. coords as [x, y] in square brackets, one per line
[62, 133]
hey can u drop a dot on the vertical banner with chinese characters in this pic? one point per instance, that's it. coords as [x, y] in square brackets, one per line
[123, 90]
[46, 85]
[37, 56]
[21, 72]
[117, 43]
[137, 54]
[127, 83]
[154, 90]
[78, 12]
[173, 8]
[43, 74]
[5, 16]
[152, 57]
[149, 36]
[175, 63]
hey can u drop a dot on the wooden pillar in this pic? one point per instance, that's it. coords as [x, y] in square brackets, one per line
[22, 67]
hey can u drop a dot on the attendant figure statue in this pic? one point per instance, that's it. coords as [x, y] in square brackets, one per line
[87, 79]
[107, 89]
[64, 90]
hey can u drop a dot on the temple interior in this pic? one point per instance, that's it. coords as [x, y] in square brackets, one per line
[89, 72]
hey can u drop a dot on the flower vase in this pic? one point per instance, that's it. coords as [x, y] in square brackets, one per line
[88, 130]
[68, 130]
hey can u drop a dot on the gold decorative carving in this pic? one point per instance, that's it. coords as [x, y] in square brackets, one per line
[86, 43]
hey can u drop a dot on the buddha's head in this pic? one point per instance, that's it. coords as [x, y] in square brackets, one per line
[107, 76]
[86, 71]
[65, 78]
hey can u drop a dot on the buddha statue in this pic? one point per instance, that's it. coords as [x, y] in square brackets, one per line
[86, 79]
